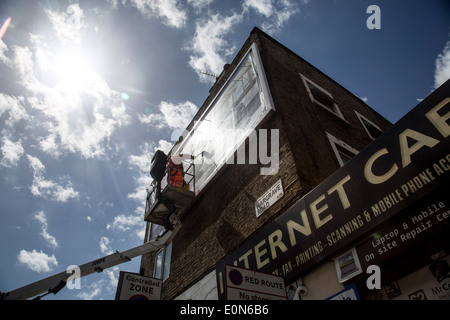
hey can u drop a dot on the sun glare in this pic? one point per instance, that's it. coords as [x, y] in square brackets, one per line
[72, 70]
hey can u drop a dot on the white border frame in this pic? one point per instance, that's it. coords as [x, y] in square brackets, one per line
[357, 265]
[266, 100]
[336, 142]
[337, 111]
[362, 119]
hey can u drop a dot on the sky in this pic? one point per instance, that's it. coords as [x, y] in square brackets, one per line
[89, 89]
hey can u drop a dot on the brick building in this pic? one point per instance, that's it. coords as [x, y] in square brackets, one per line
[271, 120]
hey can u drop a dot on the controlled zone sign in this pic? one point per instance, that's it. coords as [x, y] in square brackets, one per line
[245, 284]
[133, 286]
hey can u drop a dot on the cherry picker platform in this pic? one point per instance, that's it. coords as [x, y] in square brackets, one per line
[172, 190]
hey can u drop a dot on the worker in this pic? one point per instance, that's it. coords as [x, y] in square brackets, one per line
[176, 171]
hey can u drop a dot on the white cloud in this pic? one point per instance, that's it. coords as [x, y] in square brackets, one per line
[24, 66]
[263, 7]
[142, 161]
[365, 99]
[113, 277]
[442, 71]
[69, 25]
[91, 291]
[210, 47]
[92, 110]
[46, 188]
[178, 116]
[174, 116]
[51, 240]
[170, 11]
[13, 106]
[94, 290]
[142, 182]
[37, 261]
[12, 152]
[276, 12]
[3, 57]
[199, 4]
[164, 145]
[104, 245]
[125, 223]
[113, 3]
[155, 120]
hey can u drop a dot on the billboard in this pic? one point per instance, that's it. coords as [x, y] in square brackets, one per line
[406, 163]
[234, 114]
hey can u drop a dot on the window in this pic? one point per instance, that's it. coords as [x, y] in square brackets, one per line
[343, 152]
[240, 106]
[321, 97]
[162, 263]
[154, 231]
[344, 155]
[372, 130]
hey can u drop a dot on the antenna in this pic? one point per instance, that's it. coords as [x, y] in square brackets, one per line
[207, 73]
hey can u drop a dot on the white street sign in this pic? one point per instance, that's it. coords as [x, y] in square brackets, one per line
[244, 284]
[132, 286]
[269, 198]
[238, 294]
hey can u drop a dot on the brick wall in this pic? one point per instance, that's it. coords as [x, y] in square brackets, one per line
[224, 216]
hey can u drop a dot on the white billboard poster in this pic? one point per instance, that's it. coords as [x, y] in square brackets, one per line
[133, 286]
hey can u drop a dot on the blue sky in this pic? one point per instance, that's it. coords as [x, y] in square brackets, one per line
[90, 89]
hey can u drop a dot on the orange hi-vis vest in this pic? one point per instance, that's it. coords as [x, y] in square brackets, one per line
[175, 173]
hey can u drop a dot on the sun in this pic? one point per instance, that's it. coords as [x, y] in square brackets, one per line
[72, 69]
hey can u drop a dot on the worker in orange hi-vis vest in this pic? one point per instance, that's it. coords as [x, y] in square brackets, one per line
[176, 171]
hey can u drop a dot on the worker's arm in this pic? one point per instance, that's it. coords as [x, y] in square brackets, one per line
[186, 156]
[178, 158]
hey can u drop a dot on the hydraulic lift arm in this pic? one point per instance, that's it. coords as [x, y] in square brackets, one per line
[56, 282]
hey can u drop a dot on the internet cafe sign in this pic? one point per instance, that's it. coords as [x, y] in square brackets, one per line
[404, 164]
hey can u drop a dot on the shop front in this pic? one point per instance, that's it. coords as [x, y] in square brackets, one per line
[388, 207]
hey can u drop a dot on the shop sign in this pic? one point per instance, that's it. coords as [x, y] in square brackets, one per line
[269, 198]
[132, 286]
[349, 293]
[244, 284]
[429, 216]
[407, 162]
[433, 284]
[347, 265]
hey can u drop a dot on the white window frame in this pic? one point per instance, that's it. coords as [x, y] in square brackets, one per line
[166, 255]
[336, 110]
[337, 144]
[364, 121]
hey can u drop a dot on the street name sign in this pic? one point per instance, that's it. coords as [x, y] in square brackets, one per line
[269, 198]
